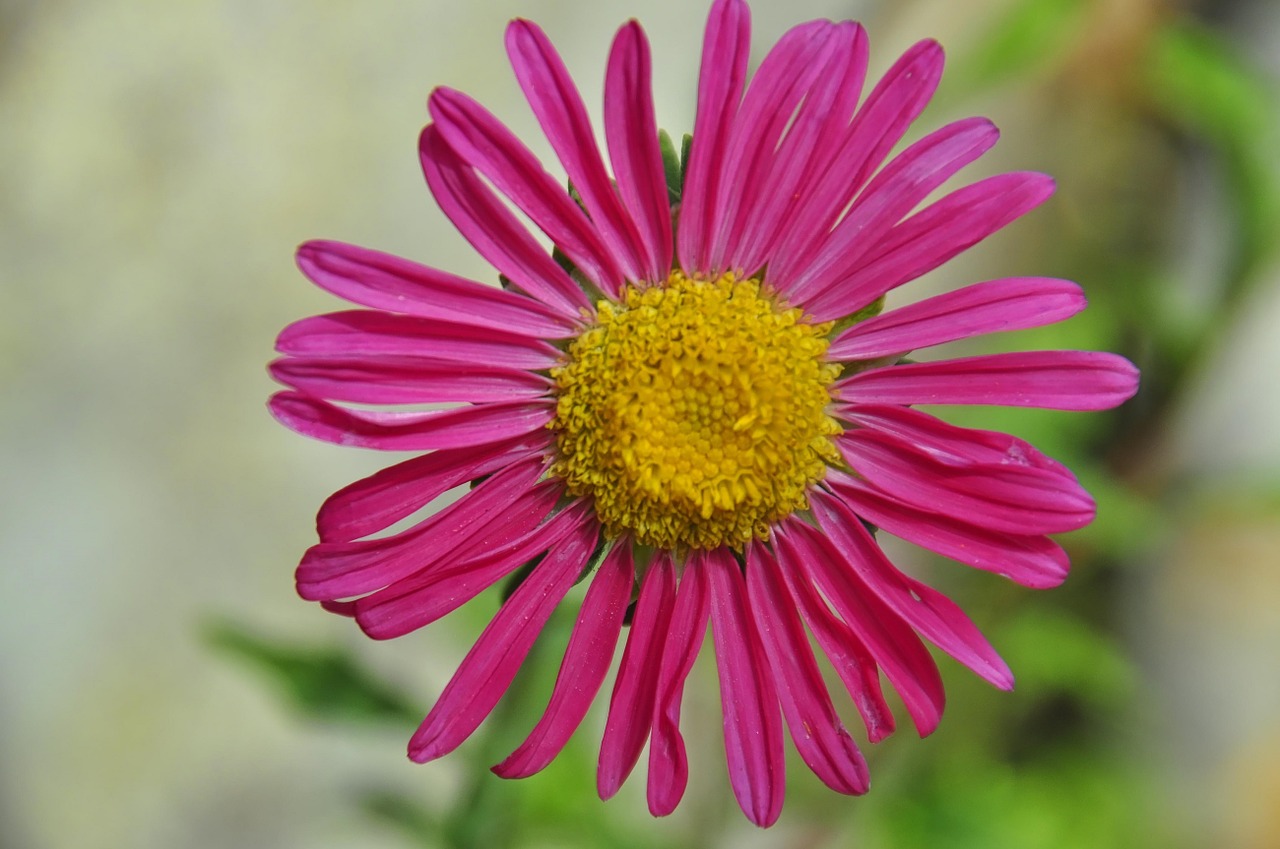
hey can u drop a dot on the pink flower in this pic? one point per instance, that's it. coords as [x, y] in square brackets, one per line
[694, 404]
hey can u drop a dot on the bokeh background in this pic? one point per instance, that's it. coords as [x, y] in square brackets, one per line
[161, 685]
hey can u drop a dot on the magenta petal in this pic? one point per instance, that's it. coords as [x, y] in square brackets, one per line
[879, 125]
[460, 427]
[586, 662]
[498, 549]
[1033, 561]
[405, 380]
[782, 81]
[632, 133]
[848, 654]
[895, 191]
[376, 333]
[748, 697]
[492, 663]
[493, 230]
[386, 282]
[1056, 380]
[484, 143]
[636, 685]
[668, 762]
[819, 735]
[563, 117]
[932, 236]
[932, 614]
[898, 651]
[334, 570]
[1009, 498]
[726, 48]
[385, 497]
[1013, 303]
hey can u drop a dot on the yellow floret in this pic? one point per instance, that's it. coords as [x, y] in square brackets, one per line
[695, 413]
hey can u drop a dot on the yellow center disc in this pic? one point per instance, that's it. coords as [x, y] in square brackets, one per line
[695, 413]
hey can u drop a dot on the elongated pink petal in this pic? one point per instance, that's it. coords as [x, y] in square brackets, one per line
[563, 117]
[726, 48]
[1033, 561]
[932, 614]
[786, 75]
[484, 143]
[460, 427]
[493, 230]
[895, 191]
[418, 601]
[898, 651]
[668, 762]
[846, 651]
[1009, 498]
[332, 570]
[1013, 303]
[806, 150]
[493, 661]
[1056, 380]
[387, 496]
[932, 236]
[635, 687]
[819, 735]
[586, 661]
[632, 133]
[748, 697]
[896, 101]
[954, 446]
[406, 380]
[386, 282]
[377, 333]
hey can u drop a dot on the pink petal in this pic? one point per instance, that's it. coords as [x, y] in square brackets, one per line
[387, 282]
[376, 333]
[1008, 498]
[848, 654]
[1013, 303]
[586, 662]
[493, 230]
[492, 663]
[783, 79]
[418, 601]
[1056, 380]
[895, 191]
[899, 652]
[954, 446]
[563, 117]
[880, 124]
[932, 614]
[752, 730]
[668, 762]
[726, 48]
[932, 236]
[489, 147]
[384, 498]
[632, 133]
[460, 427]
[819, 735]
[333, 570]
[806, 150]
[405, 380]
[1033, 561]
[635, 688]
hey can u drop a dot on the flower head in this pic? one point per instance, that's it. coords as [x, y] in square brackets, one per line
[695, 403]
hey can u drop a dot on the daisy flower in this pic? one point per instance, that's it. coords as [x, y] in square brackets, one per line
[695, 404]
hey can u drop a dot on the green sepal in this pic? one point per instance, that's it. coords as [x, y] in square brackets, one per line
[670, 167]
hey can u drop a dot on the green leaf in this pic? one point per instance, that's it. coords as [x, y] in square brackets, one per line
[670, 166]
[325, 683]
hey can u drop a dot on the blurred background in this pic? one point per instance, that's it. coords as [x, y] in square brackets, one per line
[162, 686]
